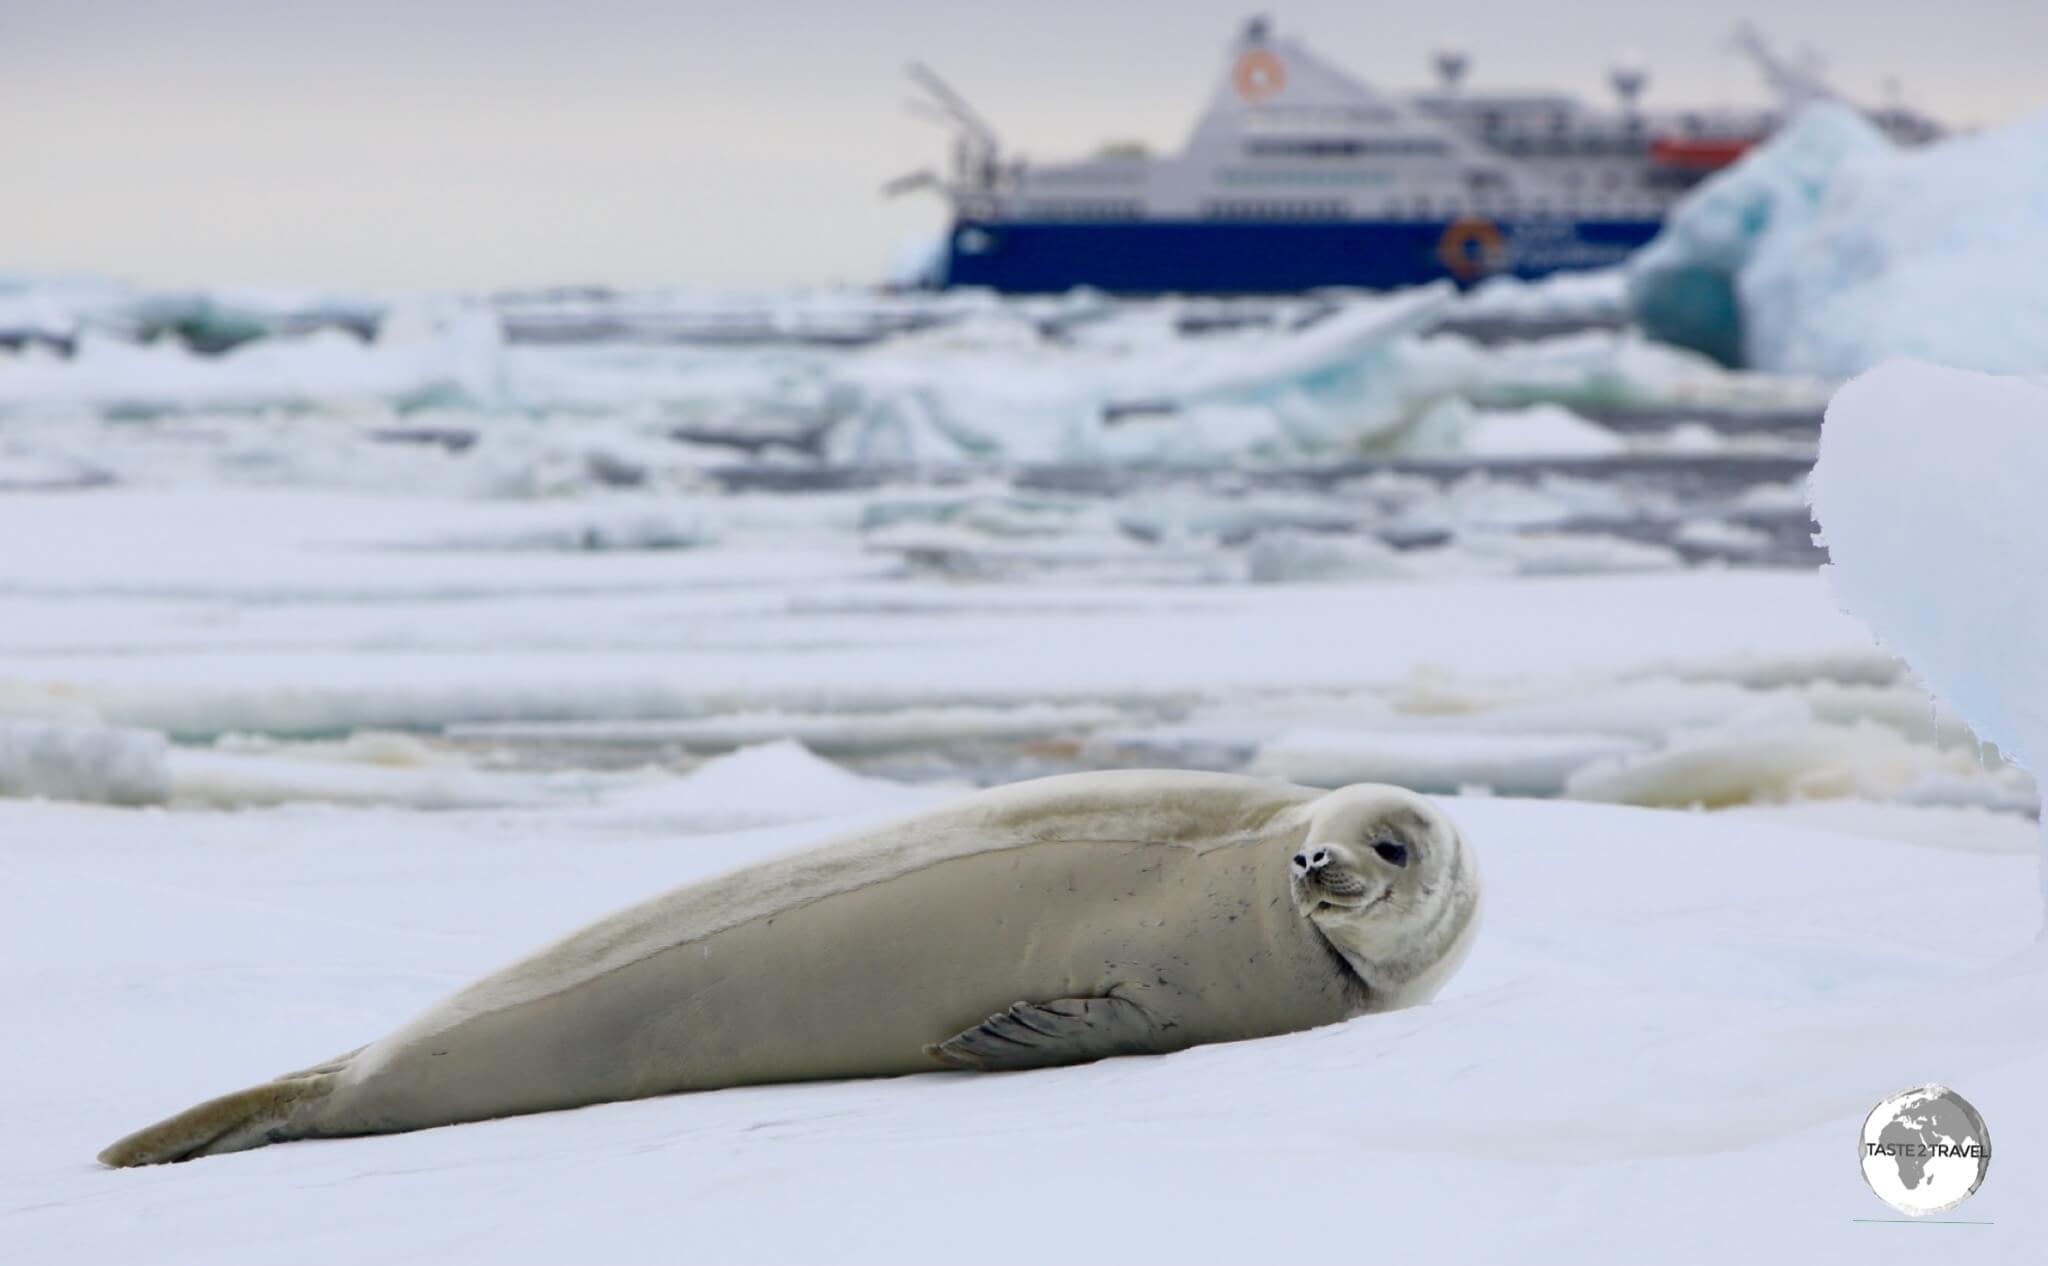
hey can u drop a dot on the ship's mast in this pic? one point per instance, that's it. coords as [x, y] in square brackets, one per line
[1451, 62]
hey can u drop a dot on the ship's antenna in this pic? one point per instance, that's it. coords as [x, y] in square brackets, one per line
[1451, 62]
[1629, 78]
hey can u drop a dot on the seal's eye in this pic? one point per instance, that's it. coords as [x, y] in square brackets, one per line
[1395, 853]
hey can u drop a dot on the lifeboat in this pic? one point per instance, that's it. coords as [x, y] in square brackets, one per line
[1699, 153]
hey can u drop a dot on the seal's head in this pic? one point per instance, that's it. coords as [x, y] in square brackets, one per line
[1387, 879]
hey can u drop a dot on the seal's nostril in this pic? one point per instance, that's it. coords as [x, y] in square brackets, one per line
[1301, 861]
[1321, 858]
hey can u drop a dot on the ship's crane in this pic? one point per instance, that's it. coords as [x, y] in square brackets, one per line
[977, 150]
[1795, 83]
[1800, 82]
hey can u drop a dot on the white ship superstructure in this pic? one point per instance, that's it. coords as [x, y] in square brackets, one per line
[1300, 175]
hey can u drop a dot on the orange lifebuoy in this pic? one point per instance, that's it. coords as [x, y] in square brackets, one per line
[1472, 247]
[1258, 75]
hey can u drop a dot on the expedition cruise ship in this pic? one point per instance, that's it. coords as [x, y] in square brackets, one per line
[1299, 176]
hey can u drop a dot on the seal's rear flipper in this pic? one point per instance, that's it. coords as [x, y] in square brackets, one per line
[1045, 1034]
[232, 1123]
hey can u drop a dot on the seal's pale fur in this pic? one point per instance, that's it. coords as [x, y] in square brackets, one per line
[1129, 912]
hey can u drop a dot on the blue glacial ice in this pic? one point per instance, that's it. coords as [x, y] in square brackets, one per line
[1830, 249]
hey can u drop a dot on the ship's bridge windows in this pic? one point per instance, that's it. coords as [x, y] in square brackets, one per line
[1268, 120]
[1304, 176]
[1539, 145]
[1347, 147]
[1065, 177]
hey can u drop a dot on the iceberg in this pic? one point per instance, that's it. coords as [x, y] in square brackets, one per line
[1927, 494]
[1829, 249]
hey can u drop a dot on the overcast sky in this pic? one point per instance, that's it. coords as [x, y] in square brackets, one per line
[478, 142]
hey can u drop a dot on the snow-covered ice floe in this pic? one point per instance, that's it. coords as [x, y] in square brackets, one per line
[300, 646]
[1638, 994]
[606, 692]
[82, 762]
[1829, 249]
[1590, 295]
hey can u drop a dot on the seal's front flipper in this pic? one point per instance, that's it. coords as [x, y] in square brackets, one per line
[1064, 1031]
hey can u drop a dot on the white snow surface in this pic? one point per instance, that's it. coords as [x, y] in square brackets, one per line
[1829, 249]
[1643, 1027]
[342, 612]
[279, 635]
[440, 654]
[1454, 426]
[1510, 764]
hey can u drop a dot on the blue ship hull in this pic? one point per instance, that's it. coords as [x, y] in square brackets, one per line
[1274, 256]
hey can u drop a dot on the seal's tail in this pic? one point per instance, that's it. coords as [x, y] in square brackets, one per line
[232, 1123]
